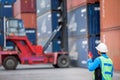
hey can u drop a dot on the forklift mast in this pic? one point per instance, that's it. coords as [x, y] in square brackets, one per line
[59, 19]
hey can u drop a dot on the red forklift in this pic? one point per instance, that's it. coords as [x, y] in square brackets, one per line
[26, 53]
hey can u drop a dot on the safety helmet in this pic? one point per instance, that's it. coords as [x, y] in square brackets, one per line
[102, 47]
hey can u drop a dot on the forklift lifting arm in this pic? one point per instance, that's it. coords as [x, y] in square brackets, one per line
[51, 38]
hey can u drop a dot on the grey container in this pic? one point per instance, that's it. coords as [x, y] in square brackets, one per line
[44, 26]
[43, 6]
[79, 46]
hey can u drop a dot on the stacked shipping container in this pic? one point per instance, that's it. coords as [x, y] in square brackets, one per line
[26, 10]
[84, 30]
[110, 29]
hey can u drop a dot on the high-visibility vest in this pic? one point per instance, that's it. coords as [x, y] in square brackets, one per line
[106, 68]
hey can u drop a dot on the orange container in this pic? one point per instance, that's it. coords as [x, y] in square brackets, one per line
[110, 13]
[71, 4]
[29, 19]
[112, 39]
[77, 3]
[24, 6]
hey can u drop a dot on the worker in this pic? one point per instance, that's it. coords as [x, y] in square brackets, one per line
[102, 65]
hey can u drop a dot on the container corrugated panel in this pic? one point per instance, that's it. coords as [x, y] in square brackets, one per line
[79, 46]
[55, 4]
[93, 12]
[1, 25]
[112, 39]
[31, 34]
[77, 21]
[55, 22]
[110, 13]
[42, 41]
[93, 1]
[6, 10]
[73, 52]
[16, 8]
[25, 6]
[7, 1]
[29, 19]
[56, 45]
[84, 20]
[43, 6]
[44, 27]
[28, 6]
[71, 4]
[78, 50]
[1, 40]
[82, 47]
[1, 32]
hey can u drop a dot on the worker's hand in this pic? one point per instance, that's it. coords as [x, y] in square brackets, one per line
[90, 55]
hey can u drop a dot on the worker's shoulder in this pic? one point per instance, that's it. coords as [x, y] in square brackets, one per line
[97, 59]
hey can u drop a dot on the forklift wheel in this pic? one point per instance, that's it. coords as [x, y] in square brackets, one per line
[63, 61]
[10, 63]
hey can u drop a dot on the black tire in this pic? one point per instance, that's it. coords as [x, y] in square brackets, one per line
[63, 61]
[10, 63]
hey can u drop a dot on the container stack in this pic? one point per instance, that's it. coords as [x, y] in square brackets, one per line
[84, 30]
[110, 29]
[26, 10]
[44, 22]
[49, 13]
[6, 10]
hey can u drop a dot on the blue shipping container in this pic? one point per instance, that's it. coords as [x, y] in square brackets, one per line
[82, 47]
[7, 1]
[93, 19]
[55, 4]
[43, 6]
[93, 42]
[84, 20]
[1, 32]
[56, 45]
[6, 11]
[31, 34]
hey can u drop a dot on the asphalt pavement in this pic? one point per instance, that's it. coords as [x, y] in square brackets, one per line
[47, 72]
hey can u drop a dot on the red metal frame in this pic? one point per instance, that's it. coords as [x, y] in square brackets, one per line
[30, 54]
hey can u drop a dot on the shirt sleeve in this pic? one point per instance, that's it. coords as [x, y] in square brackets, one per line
[92, 65]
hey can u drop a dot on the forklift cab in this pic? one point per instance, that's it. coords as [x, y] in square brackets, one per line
[15, 27]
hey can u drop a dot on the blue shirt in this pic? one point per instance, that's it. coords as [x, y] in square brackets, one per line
[92, 65]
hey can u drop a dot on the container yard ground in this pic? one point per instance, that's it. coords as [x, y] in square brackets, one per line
[47, 72]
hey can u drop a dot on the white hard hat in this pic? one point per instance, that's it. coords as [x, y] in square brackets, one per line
[102, 47]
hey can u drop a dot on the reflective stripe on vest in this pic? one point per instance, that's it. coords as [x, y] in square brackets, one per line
[106, 66]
